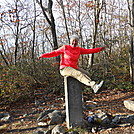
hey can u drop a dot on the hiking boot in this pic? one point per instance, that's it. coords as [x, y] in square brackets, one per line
[97, 87]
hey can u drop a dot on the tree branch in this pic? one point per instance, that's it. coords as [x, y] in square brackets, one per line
[43, 10]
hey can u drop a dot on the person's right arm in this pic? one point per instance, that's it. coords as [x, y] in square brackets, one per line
[53, 53]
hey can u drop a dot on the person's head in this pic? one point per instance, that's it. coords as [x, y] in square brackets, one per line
[74, 40]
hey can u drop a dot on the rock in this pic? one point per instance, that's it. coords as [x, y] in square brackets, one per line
[91, 106]
[124, 125]
[94, 130]
[44, 115]
[48, 132]
[73, 132]
[129, 119]
[93, 102]
[5, 126]
[34, 112]
[56, 117]
[38, 132]
[104, 118]
[2, 115]
[52, 117]
[63, 113]
[42, 124]
[37, 103]
[116, 120]
[90, 113]
[129, 104]
[54, 113]
[5, 117]
[92, 119]
[58, 130]
[123, 120]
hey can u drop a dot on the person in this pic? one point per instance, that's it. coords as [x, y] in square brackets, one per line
[69, 62]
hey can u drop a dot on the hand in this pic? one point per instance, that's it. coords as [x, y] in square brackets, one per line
[39, 57]
[103, 48]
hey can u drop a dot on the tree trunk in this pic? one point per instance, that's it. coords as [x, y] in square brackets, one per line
[132, 44]
[50, 4]
[50, 21]
[34, 27]
[61, 4]
[132, 59]
[131, 19]
[4, 58]
[97, 10]
[17, 37]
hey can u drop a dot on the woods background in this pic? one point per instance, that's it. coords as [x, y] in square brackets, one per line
[30, 28]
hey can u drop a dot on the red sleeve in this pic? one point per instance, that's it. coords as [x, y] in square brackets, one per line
[53, 53]
[90, 51]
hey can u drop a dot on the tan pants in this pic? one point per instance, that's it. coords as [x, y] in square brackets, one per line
[79, 74]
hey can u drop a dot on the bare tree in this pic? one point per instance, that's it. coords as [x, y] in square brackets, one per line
[4, 58]
[97, 10]
[34, 27]
[17, 33]
[50, 19]
[131, 22]
[64, 15]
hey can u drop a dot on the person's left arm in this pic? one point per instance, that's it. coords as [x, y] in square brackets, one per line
[94, 50]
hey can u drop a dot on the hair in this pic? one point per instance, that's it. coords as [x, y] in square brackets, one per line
[75, 36]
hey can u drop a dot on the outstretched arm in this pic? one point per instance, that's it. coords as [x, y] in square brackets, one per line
[53, 53]
[103, 48]
[94, 50]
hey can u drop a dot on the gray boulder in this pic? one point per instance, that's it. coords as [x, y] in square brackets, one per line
[73, 132]
[104, 118]
[58, 130]
[56, 117]
[116, 120]
[5, 117]
[38, 132]
[129, 104]
[44, 115]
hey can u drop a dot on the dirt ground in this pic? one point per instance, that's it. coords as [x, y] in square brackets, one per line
[23, 122]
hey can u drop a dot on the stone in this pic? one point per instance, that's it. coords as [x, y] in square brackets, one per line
[47, 132]
[2, 115]
[58, 130]
[104, 117]
[129, 119]
[55, 117]
[5, 126]
[124, 124]
[116, 120]
[44, 115]
[54, 113]
[52, 117]
[73, 101]
[38, 132]
[5, 117]
[94, 130]
[129, 104]
[42, 124]
[73, 132]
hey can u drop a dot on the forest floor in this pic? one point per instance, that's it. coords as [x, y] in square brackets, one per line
[109, 101]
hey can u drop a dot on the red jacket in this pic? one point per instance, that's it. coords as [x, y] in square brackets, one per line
[70, 55]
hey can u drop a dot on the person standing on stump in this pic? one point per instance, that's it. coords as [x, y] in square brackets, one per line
[69, 62]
